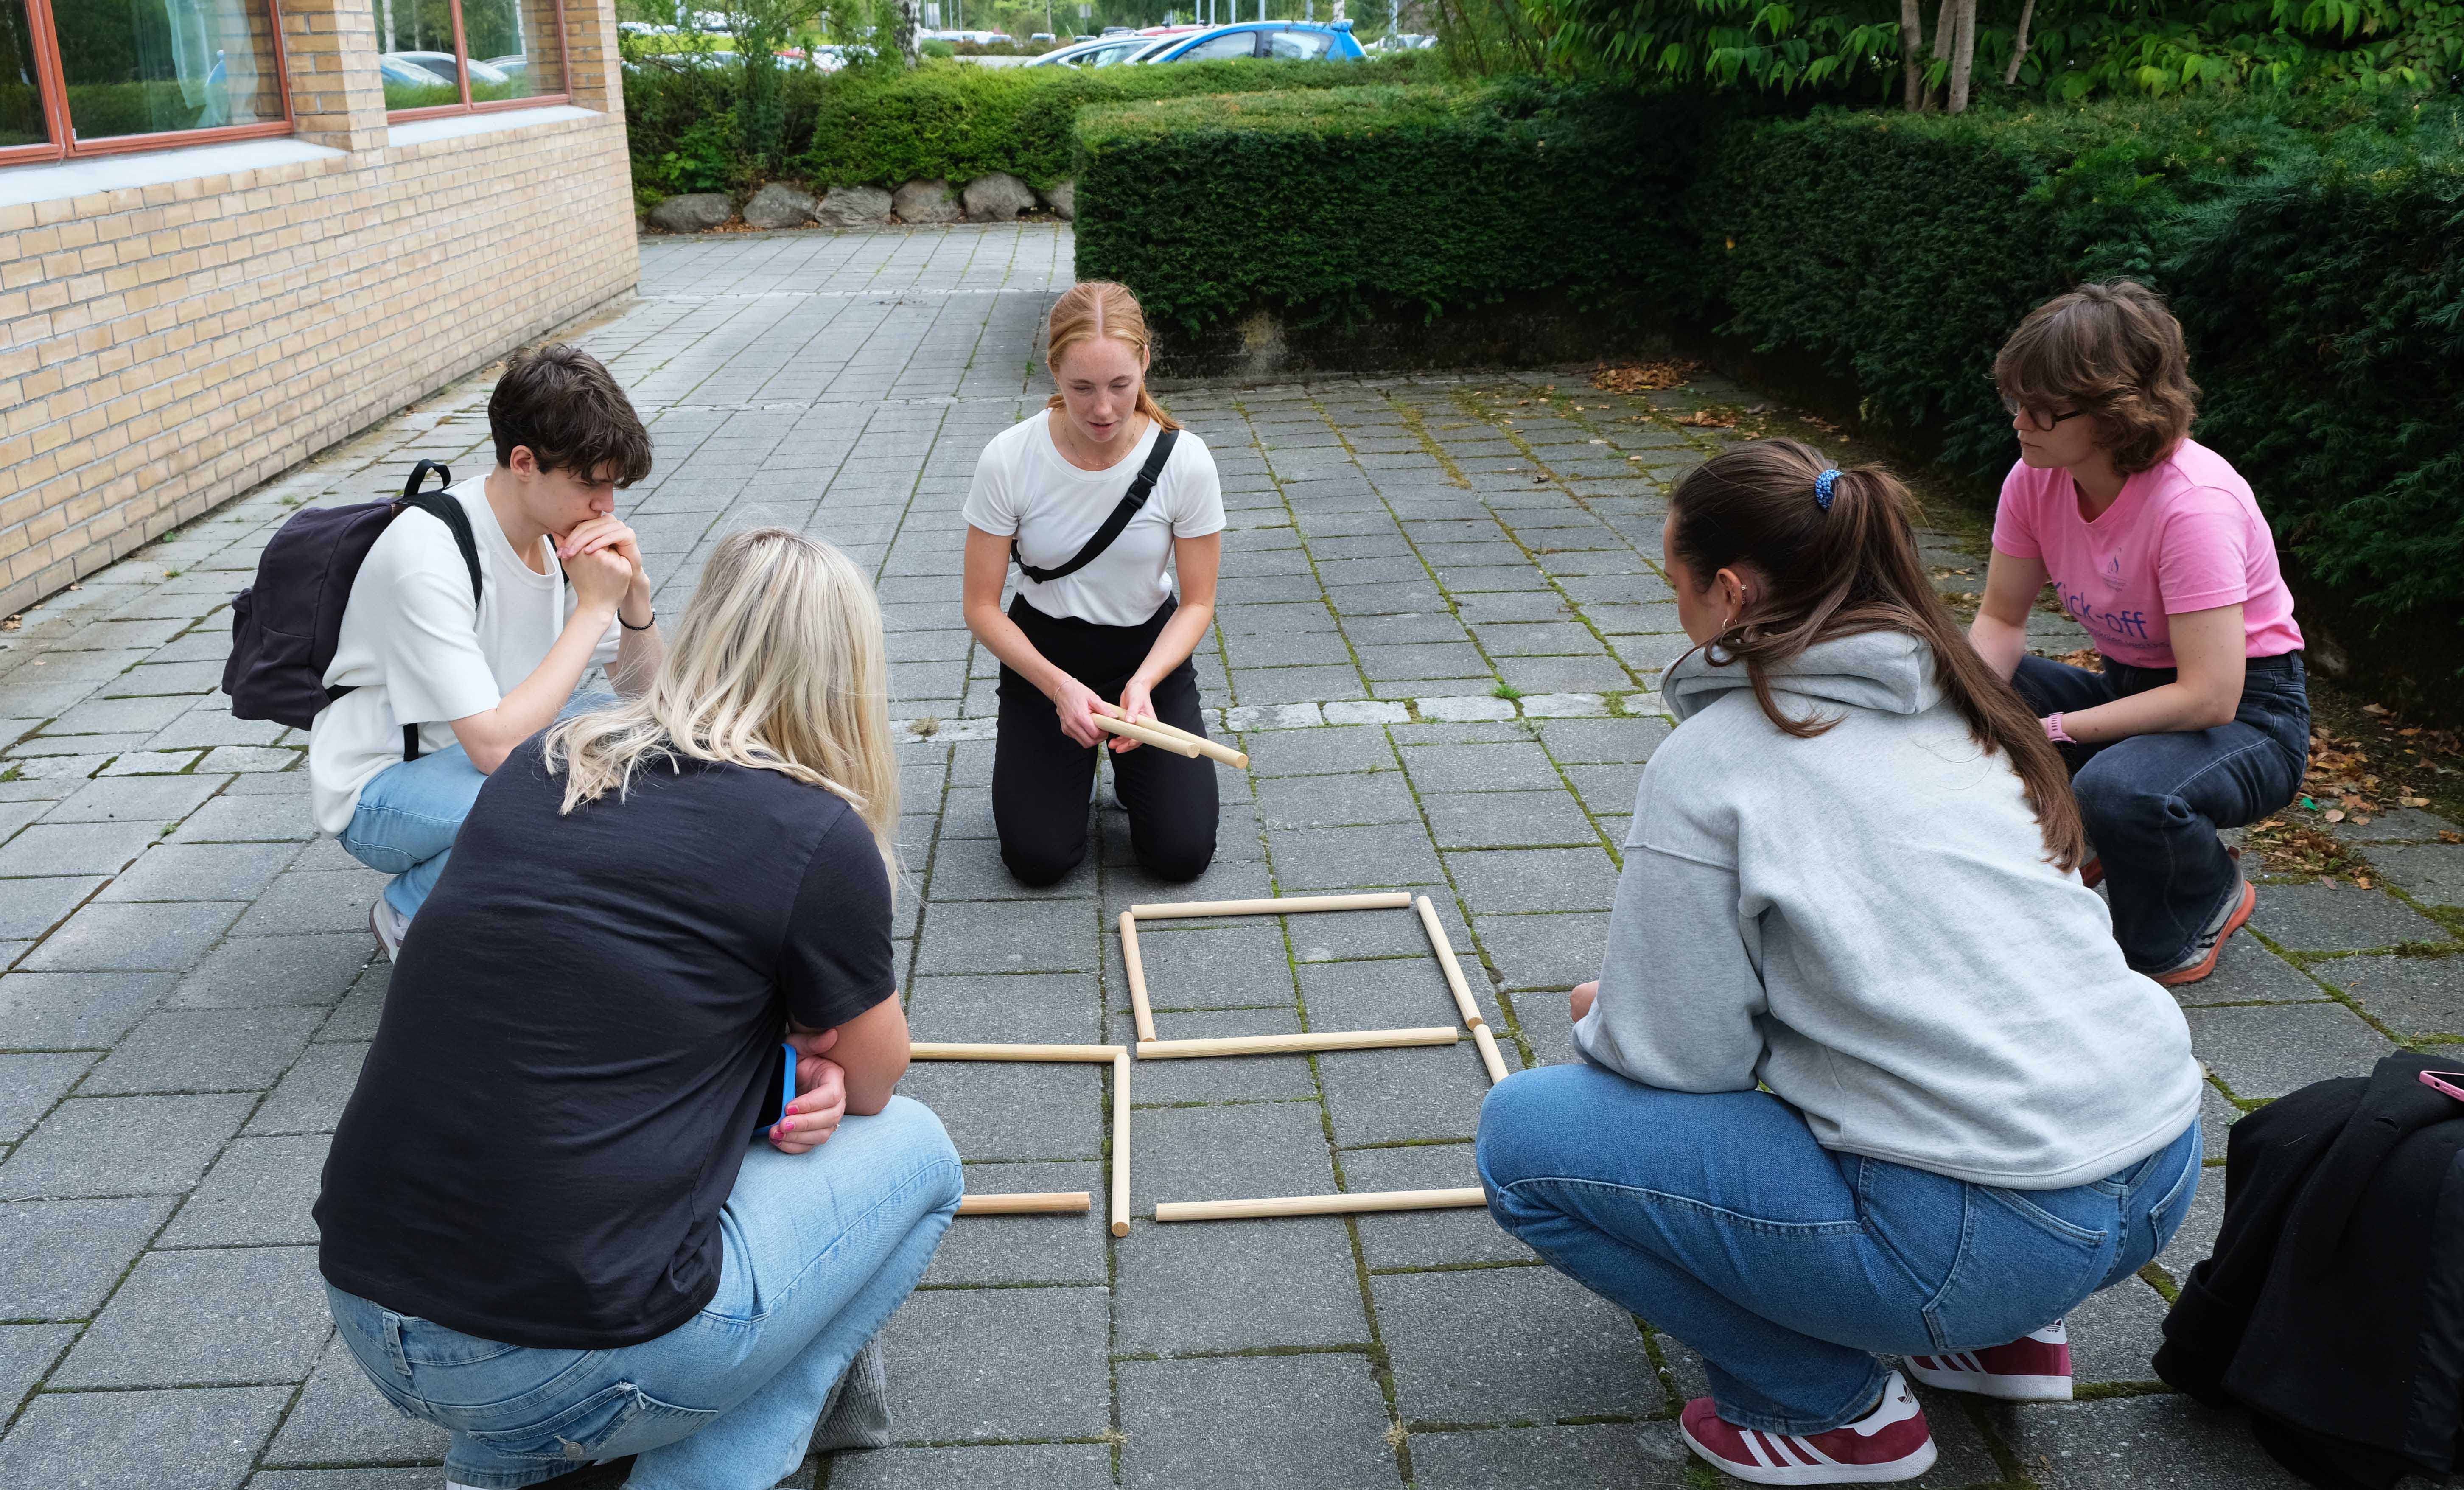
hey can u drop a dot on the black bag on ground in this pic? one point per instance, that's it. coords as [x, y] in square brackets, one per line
[2334, 1305]
[1118, 520]
[286, 625]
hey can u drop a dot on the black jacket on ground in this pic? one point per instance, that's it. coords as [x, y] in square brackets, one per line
[2334, 1305]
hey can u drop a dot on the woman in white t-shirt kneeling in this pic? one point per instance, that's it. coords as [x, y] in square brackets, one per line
[1095, 629]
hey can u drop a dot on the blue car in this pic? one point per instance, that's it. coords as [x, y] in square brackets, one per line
[1282, 40]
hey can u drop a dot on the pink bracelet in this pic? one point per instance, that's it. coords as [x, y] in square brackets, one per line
[2054, 731]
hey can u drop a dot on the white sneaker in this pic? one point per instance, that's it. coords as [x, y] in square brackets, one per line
[390, 926]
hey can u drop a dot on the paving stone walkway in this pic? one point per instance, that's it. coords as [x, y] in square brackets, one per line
[1440, 631]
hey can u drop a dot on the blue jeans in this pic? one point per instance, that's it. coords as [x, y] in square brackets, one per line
[2153, 802]
[410, 813]
[1718, 1218]
[821, 1248]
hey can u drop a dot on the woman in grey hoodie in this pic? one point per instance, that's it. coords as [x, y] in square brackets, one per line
[1866, 1071]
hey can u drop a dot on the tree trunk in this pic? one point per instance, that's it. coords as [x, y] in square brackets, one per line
[909, 49]
[1911, 48]
[1963, 55]
[1945, 23]
[2019, 51]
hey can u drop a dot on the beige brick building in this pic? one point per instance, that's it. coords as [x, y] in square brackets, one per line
[186, 313]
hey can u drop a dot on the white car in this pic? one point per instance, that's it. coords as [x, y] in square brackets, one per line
[1102, 52]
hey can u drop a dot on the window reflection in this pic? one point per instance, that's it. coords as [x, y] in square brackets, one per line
[21, 97]
[516, 49]
[415, 47]
[141, 67]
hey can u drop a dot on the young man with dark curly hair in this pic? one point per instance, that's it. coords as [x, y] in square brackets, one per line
[2201, 716]
[561, 588]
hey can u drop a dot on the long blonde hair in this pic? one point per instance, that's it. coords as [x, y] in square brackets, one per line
[777, 665]
[1094, 308]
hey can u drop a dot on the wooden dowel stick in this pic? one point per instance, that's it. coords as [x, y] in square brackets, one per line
[1287, 1044]
[1140, 1010]
[1211, 748]
[1121, 1144]
[1039, 1202]
[1489, 1055]
[1145, 736]
[929, 1051]
[1445, 951]
[1288, 904]
[1319, 1205]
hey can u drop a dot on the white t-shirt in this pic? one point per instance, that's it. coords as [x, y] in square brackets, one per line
[1025, 488]
[416, 652]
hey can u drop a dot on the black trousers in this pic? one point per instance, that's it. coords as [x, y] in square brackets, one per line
[1042, 777]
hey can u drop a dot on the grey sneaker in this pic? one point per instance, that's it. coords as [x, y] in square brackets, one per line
[2201, 959]
[391, 927]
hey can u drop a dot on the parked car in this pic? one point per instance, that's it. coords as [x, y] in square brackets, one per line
[439, 66]
[1285, 40]
[1102, 52]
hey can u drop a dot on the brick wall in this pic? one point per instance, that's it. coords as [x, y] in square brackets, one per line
[164, 348]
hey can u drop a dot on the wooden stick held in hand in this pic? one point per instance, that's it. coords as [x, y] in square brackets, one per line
[1210, 749]
[931, 1051]
[1146, 735]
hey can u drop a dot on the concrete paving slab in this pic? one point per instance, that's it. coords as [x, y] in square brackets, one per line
[1228, 1424]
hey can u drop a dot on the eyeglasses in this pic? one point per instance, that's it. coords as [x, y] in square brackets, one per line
[2040, 419]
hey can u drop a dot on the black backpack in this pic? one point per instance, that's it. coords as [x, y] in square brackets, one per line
[285, 626]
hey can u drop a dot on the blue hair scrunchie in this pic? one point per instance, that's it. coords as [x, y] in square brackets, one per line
[1822, 489]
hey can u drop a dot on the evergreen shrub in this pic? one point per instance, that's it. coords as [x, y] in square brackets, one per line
[1385, 200]
[2313, 248]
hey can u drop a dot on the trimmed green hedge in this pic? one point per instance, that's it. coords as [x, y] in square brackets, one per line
[1358, 200]
[880, 127]
[944, 120]
[2316, 258]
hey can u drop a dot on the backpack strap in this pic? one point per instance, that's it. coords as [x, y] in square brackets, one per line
[1139, 491]
[448, 511]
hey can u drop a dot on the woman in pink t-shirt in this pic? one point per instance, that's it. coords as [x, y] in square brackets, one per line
[2200, 718]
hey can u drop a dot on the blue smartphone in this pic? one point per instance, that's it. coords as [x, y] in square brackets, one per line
[786, 1080]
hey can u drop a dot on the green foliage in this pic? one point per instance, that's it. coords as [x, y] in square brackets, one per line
[2313, 248]
[2318, 271]
[1358, 200]
[935, 47]
[955, 122]
[2077, 49]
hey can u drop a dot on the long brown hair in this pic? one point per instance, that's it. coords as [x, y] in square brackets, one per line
[1095, 308]
[1842, 572]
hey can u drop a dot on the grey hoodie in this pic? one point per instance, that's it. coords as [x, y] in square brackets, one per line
[1865, 922]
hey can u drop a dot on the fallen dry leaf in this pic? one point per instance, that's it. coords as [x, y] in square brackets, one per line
[1710, 418]
[1644, 377]
[2087, 659]
[2334, 816]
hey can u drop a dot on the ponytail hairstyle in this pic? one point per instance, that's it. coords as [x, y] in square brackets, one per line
[1095, 308]
[1835, 555]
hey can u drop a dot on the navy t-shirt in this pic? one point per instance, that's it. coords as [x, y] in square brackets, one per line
[580, 1038]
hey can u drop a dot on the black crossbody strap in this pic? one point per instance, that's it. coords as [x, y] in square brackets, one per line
[447, 509]
[1139, 491]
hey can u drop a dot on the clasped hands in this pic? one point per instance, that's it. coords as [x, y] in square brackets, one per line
[821, 1095]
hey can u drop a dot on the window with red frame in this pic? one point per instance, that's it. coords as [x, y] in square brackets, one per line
[443, 56]
[94, 77]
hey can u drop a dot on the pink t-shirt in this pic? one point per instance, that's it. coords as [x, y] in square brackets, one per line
[2183, 535]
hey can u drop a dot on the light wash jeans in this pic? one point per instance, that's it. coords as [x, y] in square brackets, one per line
[1719, 1220]
[409, 813]
[821, 1248]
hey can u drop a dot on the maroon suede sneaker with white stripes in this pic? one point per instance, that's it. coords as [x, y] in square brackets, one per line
[2035, 1367]
[1891, 1442]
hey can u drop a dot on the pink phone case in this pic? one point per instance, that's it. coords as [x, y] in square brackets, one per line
[2438, 1080]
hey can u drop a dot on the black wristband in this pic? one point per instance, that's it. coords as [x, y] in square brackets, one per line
[643, 626]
